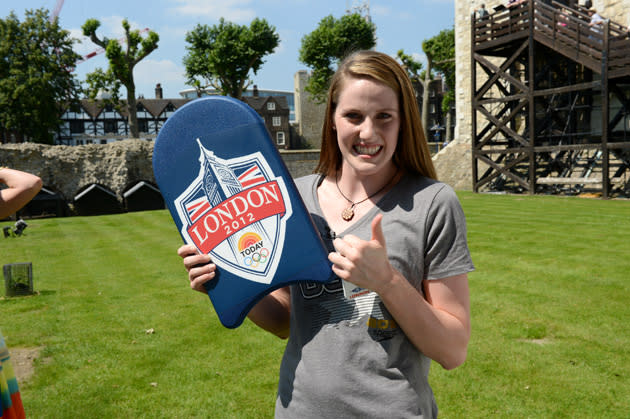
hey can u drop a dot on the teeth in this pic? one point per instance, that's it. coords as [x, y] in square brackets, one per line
[369, 150]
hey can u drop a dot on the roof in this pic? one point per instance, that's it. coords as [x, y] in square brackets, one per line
[154, 106]
[258, 102]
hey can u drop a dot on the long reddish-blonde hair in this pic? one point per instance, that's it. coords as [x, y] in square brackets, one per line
[412, 151]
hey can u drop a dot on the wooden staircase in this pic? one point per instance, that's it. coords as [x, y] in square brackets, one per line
[551, 117]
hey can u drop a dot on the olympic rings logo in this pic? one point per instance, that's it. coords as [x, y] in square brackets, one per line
[257, 258]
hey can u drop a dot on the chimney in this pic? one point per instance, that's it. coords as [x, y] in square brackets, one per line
[255, 91]
[158, 91]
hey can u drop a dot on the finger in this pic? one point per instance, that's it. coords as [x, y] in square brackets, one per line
[186, 250]
[201, 269]
[341, 246]
[353, 241]
[336, 258]
[198, 283]
[341, 273]
[377, 230]
[201, 275]
[195, 261]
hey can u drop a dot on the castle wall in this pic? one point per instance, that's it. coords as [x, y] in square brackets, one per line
[66, 170]
[308, 113]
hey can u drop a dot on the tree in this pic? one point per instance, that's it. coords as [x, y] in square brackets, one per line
[121, 65]
[36, 61]
[421, 77]
[440, 54]
[329, 43]
[222, 56]
[441, 49]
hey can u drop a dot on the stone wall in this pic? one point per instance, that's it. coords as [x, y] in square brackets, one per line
[308, 113]
[66, 170]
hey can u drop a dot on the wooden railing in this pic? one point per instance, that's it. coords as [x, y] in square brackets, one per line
[562, 29]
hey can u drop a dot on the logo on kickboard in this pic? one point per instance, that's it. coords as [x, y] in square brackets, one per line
[236, 210]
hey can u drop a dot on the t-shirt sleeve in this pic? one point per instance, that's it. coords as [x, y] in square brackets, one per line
[446, 252]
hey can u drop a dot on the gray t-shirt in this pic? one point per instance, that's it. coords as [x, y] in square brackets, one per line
[348, 358]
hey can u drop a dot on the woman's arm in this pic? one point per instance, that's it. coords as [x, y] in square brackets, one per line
[438, 325]
[271, 313]
[22, 187]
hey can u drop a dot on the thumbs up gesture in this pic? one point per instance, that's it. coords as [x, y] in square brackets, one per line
[364, 263]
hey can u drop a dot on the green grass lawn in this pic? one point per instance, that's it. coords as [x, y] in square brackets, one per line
[550, 310]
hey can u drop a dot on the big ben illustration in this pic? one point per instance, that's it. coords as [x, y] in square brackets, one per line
[219, 183]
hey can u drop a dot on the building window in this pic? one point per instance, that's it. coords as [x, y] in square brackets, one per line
[280, 138]
[271, 106]
[276, 121]
[432, 108]
[110, 127]
[77, 127]
[143, 125]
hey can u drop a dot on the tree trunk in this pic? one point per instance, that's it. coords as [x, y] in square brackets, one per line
[425, 98]
[449, 120]
[132, 119]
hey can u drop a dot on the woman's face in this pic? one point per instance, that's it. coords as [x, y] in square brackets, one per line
[367, 122]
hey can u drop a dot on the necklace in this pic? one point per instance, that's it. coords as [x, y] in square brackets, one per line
[348, 213]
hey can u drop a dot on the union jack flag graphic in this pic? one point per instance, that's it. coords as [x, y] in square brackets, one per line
[251, 176]
[197, 208]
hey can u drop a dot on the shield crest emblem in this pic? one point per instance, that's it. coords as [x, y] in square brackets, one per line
[236, 210]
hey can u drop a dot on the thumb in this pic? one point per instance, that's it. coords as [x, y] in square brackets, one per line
[377, 230]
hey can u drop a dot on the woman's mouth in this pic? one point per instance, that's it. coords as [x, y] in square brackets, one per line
[369, 150]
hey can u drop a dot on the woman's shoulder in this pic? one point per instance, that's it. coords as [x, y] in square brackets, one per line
[305, 182]
[420, 183]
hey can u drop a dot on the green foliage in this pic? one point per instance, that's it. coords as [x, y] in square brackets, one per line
[414, 68]
[329, 43]
[441, 49]
[121, 64]
[222, 56]
[36, 63]
[549, 307]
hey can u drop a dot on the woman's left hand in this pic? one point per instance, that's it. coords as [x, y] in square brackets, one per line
[363, 263]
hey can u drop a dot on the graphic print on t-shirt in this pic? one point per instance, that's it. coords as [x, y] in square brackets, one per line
[330, 308]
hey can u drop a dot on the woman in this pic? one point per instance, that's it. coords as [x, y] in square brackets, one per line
[393, 231]
[21, 187]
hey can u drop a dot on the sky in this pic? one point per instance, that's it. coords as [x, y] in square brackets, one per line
[400, 24]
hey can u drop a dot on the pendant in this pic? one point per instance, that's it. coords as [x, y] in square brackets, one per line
[348, 213]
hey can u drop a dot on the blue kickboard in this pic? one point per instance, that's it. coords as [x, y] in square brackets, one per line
[231, 195]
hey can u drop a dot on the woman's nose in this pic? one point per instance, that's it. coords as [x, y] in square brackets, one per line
[367, 129]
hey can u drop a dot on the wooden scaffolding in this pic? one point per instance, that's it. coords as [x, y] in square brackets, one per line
[550, 102]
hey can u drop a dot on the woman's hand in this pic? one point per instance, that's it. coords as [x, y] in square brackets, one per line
[437, 323]
[363, 263]
[199, 267]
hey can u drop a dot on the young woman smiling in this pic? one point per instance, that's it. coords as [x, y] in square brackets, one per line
[397, 241]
